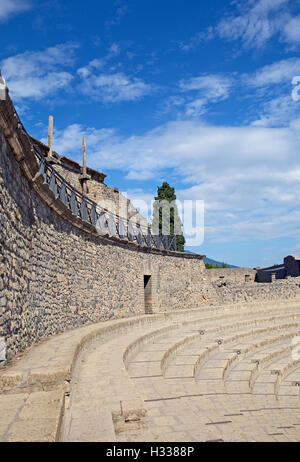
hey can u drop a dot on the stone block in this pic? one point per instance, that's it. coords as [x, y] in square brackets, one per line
[10, 379]
[2, 349]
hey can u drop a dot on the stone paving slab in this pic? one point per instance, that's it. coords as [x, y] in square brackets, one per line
[31, 417]
[75, 386]
[41, 377]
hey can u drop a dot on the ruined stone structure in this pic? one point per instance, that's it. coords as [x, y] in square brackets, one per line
[57, 273]
[239, 285]
[289, 268]
[240, 275]
[200, 355]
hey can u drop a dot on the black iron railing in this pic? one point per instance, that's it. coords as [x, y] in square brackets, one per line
[106, 222]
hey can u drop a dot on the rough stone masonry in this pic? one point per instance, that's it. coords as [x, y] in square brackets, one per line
[55, 276]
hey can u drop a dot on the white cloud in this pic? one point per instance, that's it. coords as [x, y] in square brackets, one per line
[275, 73]
[99, 63]
[273, 87]
[114, 50]
[106, 83]
[256, 24]
[196, 108]
[69, 141]
[120, 12]
[249, 177]
[211, 86]
[87, 71]
[38, 74]
[291, 30]
[11, 7]
[278, 112]
[193, 42]
[111, 87]
[208, 88]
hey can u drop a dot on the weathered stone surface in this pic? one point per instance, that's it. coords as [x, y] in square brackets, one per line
[2, 349]
[56, 276]
[10, 379]
[240, 275]
[230, 291]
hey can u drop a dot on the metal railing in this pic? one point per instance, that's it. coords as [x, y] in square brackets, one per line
[106, 222]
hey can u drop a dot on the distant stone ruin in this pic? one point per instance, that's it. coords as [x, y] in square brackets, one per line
[289, 268]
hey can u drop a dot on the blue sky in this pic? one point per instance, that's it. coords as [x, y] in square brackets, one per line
[195, 93]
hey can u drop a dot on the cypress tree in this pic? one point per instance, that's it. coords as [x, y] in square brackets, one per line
[164, 223]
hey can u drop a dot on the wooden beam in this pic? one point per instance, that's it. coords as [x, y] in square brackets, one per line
[50, 135]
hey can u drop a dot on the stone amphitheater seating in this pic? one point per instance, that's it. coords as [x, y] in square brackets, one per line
[224, 373]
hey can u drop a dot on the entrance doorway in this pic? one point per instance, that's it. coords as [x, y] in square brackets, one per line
[148, 294]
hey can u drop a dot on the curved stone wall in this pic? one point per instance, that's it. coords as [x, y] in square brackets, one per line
[57, 273]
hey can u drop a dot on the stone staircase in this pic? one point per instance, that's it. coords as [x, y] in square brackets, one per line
[216, 374]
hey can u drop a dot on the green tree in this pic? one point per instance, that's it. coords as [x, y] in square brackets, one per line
[210, 265]
[166, 219]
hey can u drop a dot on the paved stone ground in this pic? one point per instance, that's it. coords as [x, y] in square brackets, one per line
[224, 374]
[191, 387]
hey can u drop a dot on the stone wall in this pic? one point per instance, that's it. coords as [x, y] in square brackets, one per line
[289, 268]
[271, 274]
[56, 273]
[292, 265]
[233, 274]
[234, 292]
[55, 276]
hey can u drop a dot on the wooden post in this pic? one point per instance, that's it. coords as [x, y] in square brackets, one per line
[84, 177]
[50, 158]
[84, 188]
[84, 156]
[50, 135]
